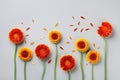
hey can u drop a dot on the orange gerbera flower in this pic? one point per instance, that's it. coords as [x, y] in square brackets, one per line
[16, 36]
[105, 29]
[54, 36]
[67, 62]
[81, 44]
[93, 56]
[25, 54]
[42, 51]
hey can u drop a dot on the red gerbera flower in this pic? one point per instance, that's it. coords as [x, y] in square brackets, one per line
[16, 36]
[67, 62]
[42, 51]
[105, 29]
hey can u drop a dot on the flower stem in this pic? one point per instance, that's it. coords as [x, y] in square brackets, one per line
[81, 65]
[92, 71]
[105, 60]
[44, 70]
[69, 75]
[25, 70]
[15, 53]
[55, 63]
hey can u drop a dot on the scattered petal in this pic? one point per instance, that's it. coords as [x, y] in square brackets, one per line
[28, 28]
[70, 37]
[56, 24]
[75, 29]
[33, 20]
[91, 24]
[78, 22]
[94, 45]
[27, 35]
[45, 29]
[72, 50]
[81, 29]
[61, 48]
[49, 61]
[32, 43]
[71, 25]
[22, 23]
[32, 62]
[73, 17]
[67, 42]
[82, 17]
[87, 29]
[41, 38]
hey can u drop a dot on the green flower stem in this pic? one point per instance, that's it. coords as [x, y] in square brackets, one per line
[55, 63]
[81, 65]
[105, 60]
[69, 75]
[92, 71]
[44, 70]
[25, 70]
[15, 53]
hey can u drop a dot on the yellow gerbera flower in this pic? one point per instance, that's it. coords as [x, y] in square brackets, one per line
[81, 44]
[93, 56]
[25, 54]
[54, 36]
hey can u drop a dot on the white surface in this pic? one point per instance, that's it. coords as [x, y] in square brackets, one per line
[47, 13]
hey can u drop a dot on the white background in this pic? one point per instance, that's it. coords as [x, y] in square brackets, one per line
[47, 13]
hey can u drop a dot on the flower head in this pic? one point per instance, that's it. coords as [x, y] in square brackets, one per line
[67, 62]
[81, 44]
[93, 56]
[16, 36]
[54, 36]
[105, 30]
[42, 51]
[25, 54]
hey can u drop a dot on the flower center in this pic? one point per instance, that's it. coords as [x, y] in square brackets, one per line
[81, 44]
[24, 54]
[42, 51]
[16, 35]
[54, 36]
[93, 56]
[67, 62]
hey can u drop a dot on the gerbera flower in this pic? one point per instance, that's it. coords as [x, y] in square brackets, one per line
[81, 44]
[54, 36]
[67, 62]
[105, 29]
[93, 56]
[42, 51]
[25, 54]
[16, 36]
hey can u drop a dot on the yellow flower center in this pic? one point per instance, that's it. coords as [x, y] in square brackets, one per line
[93, 56]
[81, 44]
[24, 54]
[54, 36]
[16, 35]
[67, 62]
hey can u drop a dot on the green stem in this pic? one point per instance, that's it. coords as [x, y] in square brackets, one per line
[44, 70]
[105, 60]
[92, 71]
[15, 53]
[55, 63]
[69, 75]
[81, 65]
[25, 70]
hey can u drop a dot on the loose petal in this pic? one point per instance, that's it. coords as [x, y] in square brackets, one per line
[82, 17]
[91, 24]
[67, 42]
[27, 35]
[94, 45]
[75, 29]
[32, 43]
[28, 28]
[71, 25]
[61, 48]
[87, 29]
[45, 29]
[78, 22]
[72, 50]
[49, 61]
[73, 17]
[82, 30]
[33, 20]
[70, 37]
[22, 23]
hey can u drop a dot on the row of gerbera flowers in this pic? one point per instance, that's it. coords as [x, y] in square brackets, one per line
[42, 51]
